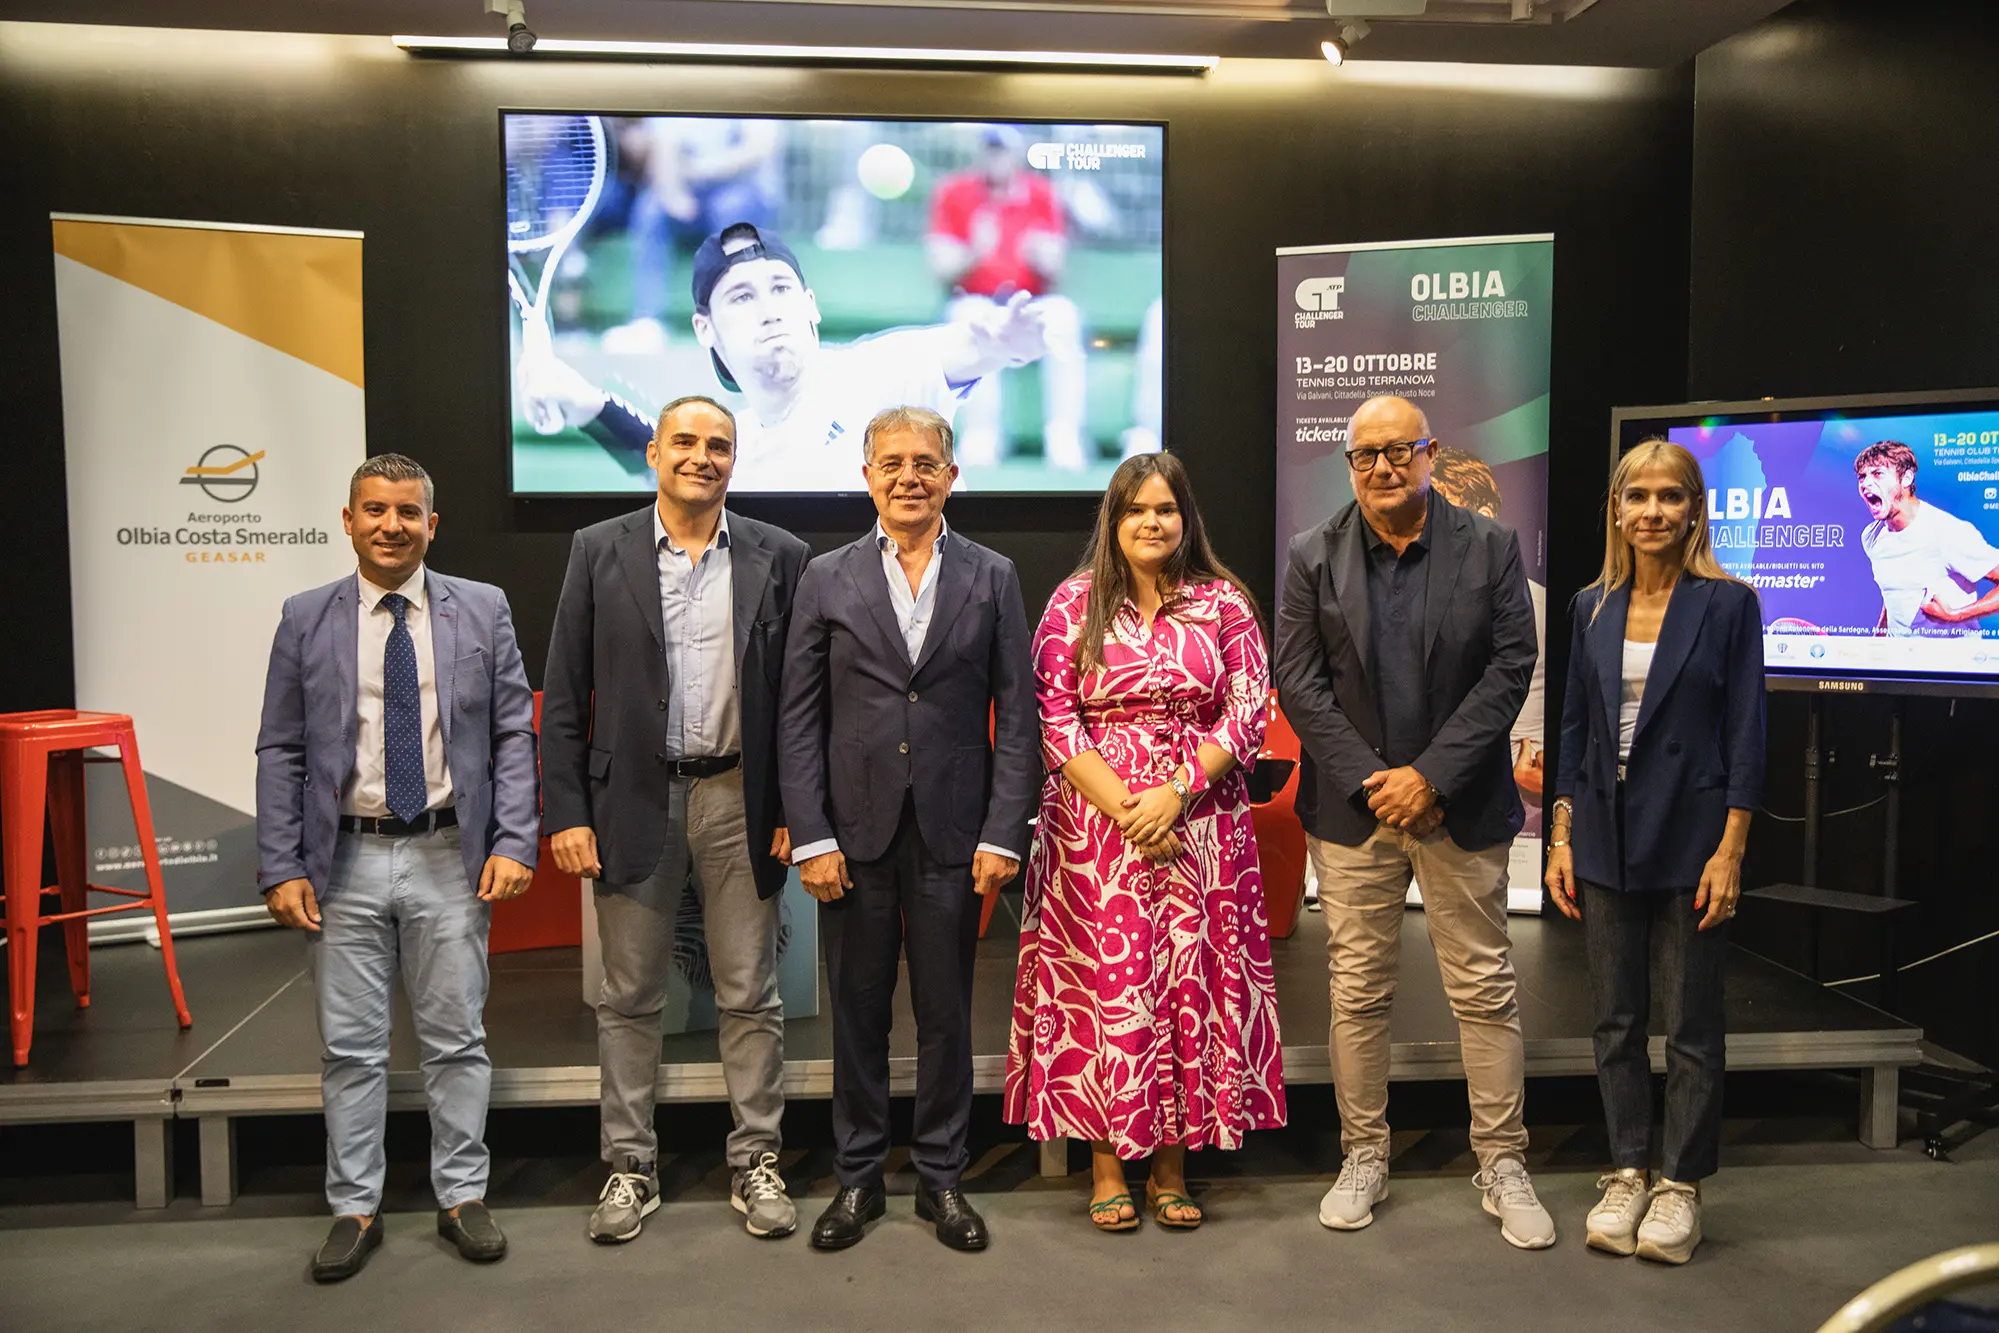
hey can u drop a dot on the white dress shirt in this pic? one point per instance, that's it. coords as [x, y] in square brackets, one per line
[913, 614]
[367, 789]
[697, 611]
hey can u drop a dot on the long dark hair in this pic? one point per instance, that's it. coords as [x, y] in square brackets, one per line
[1110, 573]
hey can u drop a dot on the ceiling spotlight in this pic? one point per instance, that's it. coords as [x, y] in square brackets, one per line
[1337, 49]
[520, 39]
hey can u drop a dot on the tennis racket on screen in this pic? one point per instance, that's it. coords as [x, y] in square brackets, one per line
[555, 175]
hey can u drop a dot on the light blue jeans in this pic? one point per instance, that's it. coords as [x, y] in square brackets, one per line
[401, 904]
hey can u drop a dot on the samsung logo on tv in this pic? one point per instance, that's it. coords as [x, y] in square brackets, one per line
[1846, 686]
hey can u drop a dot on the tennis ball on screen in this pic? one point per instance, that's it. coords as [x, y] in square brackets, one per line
[886, 171]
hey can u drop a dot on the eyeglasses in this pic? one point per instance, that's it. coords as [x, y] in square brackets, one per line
[923, 469]
[1398, 455]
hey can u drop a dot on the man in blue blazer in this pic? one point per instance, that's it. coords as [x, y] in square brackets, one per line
[1405, 644]
[396, 802]
[912, 756]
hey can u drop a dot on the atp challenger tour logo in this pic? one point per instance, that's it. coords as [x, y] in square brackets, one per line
[1079, 156]
[1318, 299]
[227, 474]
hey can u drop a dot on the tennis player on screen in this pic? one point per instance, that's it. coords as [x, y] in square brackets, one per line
[1928, 563]
[804, 402]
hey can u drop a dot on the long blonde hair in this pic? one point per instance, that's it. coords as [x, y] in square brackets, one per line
[1696, 557]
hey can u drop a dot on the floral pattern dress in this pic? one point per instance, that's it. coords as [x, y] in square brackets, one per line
[1145, 1010]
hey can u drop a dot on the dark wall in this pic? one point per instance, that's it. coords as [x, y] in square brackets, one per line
[1843, 242]
[350, 133]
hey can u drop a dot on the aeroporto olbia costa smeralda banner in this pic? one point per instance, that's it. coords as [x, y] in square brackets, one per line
[213, 413]
[1462, 329]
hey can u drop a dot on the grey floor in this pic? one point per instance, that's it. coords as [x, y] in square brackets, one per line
[1794, 1228]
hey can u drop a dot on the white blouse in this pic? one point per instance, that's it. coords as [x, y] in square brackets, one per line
[1637, 666]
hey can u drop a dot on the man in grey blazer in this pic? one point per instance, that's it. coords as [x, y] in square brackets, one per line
[396, 802]
[911, 763]
[1405, 643]
[659, 750]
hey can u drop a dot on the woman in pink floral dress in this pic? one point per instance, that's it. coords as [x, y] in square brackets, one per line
[1145, 1018]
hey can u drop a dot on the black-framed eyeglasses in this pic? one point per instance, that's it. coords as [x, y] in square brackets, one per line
[1397, 454]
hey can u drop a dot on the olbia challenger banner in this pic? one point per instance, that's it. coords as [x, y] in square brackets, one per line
[1461, 329]
[212, 413]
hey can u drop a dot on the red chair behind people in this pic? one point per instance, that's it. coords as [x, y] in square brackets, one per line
[550, 914]
[42, 755]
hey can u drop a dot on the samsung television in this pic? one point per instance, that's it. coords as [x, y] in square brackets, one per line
[808, 273]
[1869, 525]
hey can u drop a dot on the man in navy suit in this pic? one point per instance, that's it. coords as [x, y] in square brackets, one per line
[911, 761]
[395, 803]
[1405, 644]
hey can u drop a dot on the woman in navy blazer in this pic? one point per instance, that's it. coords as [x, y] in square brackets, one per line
[1661, 766]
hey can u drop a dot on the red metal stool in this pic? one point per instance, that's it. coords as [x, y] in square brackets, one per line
[41, 771]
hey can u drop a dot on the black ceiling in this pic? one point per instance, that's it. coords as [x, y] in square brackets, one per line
[1644, 33]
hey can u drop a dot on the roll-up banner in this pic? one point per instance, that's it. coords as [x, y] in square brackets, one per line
[1460, 328]
[212, 414]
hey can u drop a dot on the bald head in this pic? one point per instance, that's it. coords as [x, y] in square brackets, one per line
[1393, 494]
[1402, 419]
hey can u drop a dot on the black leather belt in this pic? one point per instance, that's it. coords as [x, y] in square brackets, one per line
[705, 766]
[396, 828]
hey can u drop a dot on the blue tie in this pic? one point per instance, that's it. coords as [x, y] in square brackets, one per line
[402, 717]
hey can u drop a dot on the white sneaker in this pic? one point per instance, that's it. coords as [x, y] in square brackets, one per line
[1613, 1223]
[1363, 1182]
[1509, 1196]
[1672, 1225]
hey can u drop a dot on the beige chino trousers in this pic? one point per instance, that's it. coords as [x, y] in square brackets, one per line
[1361, 896]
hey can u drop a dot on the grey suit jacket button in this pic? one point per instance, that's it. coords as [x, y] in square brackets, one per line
[903, 748]
[662, 705]
[912, 696]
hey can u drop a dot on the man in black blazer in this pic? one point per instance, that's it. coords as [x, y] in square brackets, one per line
[659, 747]
[1405, 643]
[911, 762]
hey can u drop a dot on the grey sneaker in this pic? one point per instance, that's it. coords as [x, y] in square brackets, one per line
[1509, 1196]
[1363, 1182]
[759, 1196]
[1613, 1223]
[629, 1197]
[1672, 1225]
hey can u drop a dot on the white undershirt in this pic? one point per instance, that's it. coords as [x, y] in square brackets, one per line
[1637, 666]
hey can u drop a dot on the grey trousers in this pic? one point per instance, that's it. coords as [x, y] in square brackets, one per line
[635, 927]
[401, 905]
[1629, 935]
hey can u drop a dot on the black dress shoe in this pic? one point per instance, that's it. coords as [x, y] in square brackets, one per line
[346, 1248]
[475, 1233]
[846, 1218]
[958, 1223]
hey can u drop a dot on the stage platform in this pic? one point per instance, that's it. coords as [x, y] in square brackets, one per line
[254, 1049]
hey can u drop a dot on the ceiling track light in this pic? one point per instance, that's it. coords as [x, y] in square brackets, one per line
[762, 53]
[1337, 48]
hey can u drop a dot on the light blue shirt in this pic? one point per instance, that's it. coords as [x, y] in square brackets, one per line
[697, 610]
[913, 610]
[913, 614]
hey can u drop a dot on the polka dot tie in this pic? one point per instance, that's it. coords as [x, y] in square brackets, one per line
[402, 717]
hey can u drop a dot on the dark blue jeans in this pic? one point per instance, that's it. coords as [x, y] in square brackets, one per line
[1633, 937]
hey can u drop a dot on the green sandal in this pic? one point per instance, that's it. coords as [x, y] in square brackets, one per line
[1160, 1200]
[1110, 1208]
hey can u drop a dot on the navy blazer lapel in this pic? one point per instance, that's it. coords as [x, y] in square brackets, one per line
[1348, 563]
[1606, 641]
[864, 570]
[1446, 529]
[443, 647]
[954, 589]
[749, 572]
[638, 556]
[1686, 608]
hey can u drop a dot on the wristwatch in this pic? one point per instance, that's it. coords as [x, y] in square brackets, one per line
[1180, 789]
